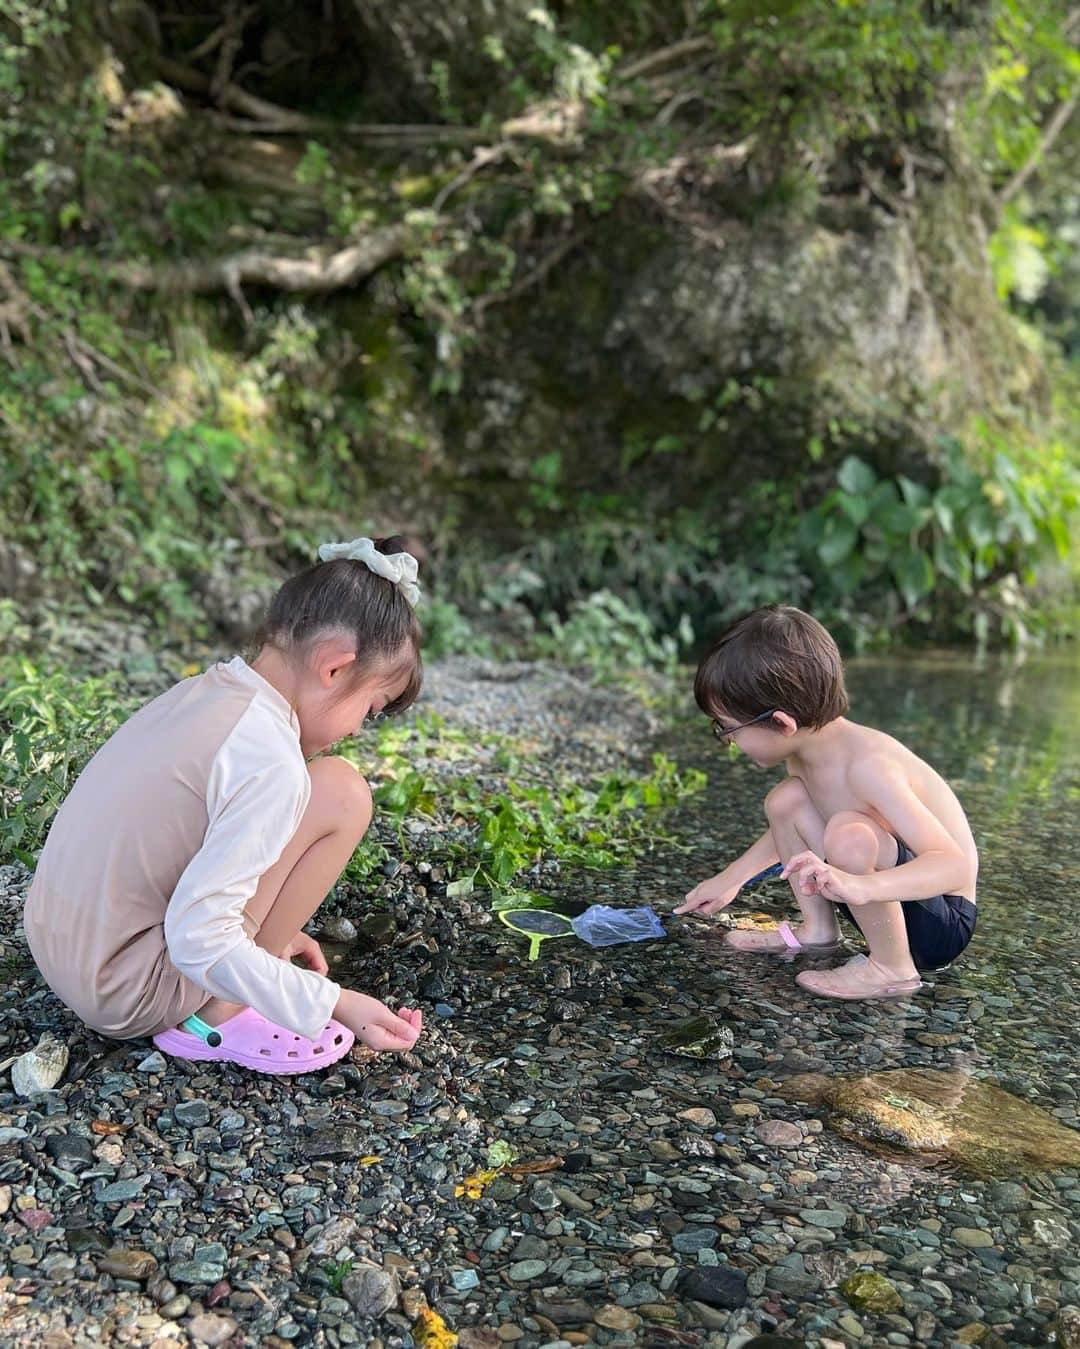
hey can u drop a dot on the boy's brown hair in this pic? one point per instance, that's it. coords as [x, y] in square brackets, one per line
[774, 658]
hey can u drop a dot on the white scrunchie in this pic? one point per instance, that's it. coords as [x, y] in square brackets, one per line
[401, 568]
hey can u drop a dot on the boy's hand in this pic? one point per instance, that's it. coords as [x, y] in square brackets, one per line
[709, 897]
[814, 877]
[374, 1024]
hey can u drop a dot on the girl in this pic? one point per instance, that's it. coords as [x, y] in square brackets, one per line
[173, 889]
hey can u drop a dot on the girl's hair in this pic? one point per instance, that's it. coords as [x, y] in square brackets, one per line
[774, 658]
[345, 596]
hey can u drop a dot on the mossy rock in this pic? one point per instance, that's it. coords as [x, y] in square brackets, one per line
[934, 1114]
[871, 1292]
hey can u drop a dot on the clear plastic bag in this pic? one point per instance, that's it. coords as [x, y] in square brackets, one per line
[601, 925]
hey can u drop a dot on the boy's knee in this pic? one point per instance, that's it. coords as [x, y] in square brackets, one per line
[851, 842]
[786, 799]
[341, 792]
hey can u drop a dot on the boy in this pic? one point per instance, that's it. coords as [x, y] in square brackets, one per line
[861, 824]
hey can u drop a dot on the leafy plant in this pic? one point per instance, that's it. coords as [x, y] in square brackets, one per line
[50, 726]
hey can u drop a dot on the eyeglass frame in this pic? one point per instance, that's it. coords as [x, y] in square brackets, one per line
[721, 734]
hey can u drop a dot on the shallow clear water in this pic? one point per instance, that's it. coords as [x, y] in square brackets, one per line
[1005, 732]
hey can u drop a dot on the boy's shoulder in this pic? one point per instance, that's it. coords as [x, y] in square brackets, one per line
[872, 750]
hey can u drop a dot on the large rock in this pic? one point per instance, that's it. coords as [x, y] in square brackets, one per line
[978, 1126]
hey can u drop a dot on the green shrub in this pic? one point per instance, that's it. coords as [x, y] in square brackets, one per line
[50, 727]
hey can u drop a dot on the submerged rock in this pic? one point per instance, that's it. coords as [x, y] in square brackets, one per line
[871, 1292]
[978, 1126]
[697, 1037]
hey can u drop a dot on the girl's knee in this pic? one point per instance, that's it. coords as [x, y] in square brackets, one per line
[786, 800]
[851, 841]
[340, 795]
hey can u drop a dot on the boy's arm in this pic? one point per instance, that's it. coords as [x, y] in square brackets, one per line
[939, 866]
[718, 891]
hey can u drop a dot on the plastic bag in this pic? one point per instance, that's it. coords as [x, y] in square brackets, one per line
[601, 925]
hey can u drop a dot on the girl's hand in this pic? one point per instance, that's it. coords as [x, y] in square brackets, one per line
[710, 896]
[309, 951]
[375, 1025]
[814, 877]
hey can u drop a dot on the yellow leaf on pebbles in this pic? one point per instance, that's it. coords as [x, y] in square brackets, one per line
[472, 1187]
[432, 1332]
[369, 1161]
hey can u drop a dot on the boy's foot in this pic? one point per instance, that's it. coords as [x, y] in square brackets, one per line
[861, 978]
[784, 941]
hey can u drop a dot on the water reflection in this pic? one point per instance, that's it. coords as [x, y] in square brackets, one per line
[1005, 732]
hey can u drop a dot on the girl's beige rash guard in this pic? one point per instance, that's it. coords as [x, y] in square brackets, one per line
[138, 906]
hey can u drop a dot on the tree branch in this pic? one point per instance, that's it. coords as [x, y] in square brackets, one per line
[273, 118]
[547, 264]
[1053, 130]
[321, 271]
[644, 65]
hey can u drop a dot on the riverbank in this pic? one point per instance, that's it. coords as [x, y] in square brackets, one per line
[544, 1169]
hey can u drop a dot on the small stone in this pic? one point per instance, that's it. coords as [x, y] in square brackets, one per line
[790, 1283]
[614, 1317]
[120, 1191]
[702, 1118]
[745, 1110]
[193, 1114]
[664, 1151]
[1006, 1196]
[716, 1286]
[1067, 1327]
[543, 1197]
[414, 1303]
[779, 1133]
[694, 1239]
[213, 1330]
[465, 1279]
[153, 1063]
[196, 1271]
[123, 1263]
[371, 1292]
[872, 1292]
[973, 1333]
[479, 1337]
[831, 1218]
[70, 1150]
[524, 1270]
[339, 928]
[975, 1238]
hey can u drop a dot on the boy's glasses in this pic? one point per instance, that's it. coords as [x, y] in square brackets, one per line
[726, 732]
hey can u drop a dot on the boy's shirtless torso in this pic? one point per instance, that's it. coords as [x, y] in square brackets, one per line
[836, 781]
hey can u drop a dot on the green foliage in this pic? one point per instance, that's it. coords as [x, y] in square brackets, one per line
[612, 637]
[506, 824]
[969, 546]
[337, 1271]
[1018, 257]
[50, 726]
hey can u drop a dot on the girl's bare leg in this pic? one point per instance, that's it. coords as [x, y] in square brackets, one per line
[336, 819]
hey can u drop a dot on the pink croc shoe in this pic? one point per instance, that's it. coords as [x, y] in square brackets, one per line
[252, 1041]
